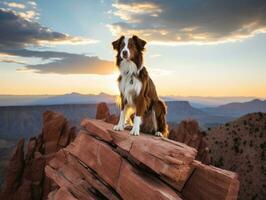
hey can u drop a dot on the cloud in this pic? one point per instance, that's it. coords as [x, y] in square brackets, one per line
[128, 11]
[32, 3]
[17, 31]
[190, 21]
[12, 61]
[28, 15]
[20, 31]
[36, 54]
[73, 64]
[14, 5]
[59, 62]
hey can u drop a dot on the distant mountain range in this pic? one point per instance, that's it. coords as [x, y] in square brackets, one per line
[180, 110]
[238, 109]
[25, 121]
[77, 98]
[203, 102]
[72, 98]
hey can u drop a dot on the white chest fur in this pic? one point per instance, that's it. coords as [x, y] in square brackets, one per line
[130, 86]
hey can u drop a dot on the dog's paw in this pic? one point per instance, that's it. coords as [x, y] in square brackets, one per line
[158, 134]
[118, 127]
[134, 131]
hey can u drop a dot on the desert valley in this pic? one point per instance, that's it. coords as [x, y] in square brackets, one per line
[230, 136]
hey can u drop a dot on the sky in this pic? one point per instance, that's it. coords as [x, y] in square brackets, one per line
[194, 47]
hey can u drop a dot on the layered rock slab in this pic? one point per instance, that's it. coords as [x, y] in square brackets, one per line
[115, 172]
[107, 164]
[209, 182]
[170, 160]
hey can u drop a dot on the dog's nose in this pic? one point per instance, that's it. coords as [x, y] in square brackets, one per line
[124, 54]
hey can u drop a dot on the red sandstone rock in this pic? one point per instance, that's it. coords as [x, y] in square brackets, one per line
[105, 164]
[103, 113]
[188, 132]
[53, 123]
[159, 154]
[208, 182]
[115, 165]
[25, 178]
[111, 167]
[66, 165]
[132, 184]
[15, 171]
[60, 194]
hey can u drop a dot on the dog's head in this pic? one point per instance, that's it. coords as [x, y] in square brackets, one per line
[129, 49]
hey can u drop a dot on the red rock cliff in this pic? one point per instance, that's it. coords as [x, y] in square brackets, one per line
[25, 177]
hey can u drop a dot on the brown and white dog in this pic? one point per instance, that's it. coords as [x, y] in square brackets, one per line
[137, 90]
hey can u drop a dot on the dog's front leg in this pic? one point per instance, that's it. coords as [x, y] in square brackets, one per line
[136, 125]
[139, 113]
[121, 123]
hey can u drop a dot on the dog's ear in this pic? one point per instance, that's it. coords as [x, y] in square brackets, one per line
[139, 42]
[117, 43]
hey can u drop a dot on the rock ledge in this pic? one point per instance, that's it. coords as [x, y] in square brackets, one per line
[105, 164]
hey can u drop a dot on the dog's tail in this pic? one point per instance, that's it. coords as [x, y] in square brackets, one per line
[160, 112]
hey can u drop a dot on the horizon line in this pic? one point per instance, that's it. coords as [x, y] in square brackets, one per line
[167, 95]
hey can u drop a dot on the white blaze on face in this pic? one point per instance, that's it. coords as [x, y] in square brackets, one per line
[125, 49]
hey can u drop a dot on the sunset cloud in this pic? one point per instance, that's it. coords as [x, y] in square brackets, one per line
[73, 64]
[28, 15]
[14, 5]
[54, 62]
[128, 11]
[19, 32]
[181, 22]
[12, 61]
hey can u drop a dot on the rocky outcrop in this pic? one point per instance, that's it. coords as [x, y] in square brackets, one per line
[188, 132]
[103, 113]
[104, 164]
[25, 177]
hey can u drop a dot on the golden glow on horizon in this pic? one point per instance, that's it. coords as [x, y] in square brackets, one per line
[186, 81]
[39, 84]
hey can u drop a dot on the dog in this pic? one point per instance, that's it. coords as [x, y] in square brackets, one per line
[137, 90]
